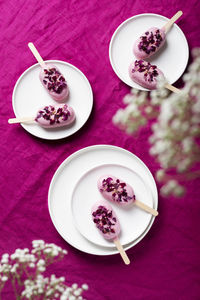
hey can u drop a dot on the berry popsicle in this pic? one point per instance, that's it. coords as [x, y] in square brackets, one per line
[108, 225]
[50, 116]
[153, 39]
[51, 78]
[120, 192]
[149, 43]
[115, 190]
[146, 75]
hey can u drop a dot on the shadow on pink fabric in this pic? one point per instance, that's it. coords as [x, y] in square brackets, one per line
[165, 264]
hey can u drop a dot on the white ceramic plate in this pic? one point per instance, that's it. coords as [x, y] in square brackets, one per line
[66, 178]
[172, 58]
[133, 220]
[29, 95]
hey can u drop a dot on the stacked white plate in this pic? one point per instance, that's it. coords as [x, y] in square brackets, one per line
[73, 191]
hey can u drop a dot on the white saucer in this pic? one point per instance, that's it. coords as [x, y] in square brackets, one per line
[66, 178]
[29, 96]
[172, 58]
[133, 220]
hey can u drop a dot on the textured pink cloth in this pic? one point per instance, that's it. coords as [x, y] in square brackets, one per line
[165, 264]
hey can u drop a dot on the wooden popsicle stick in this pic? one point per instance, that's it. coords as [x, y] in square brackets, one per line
[21, 120]
[146, 208]
[172, 88]
[36, 54]
[169, 24]
[122, 252]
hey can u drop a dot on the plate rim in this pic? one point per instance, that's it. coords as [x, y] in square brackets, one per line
[52, 61]
[76, 184]
[128, 20]
[71, 157]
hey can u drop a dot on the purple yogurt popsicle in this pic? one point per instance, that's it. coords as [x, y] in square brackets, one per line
[105, 220]
[145, 74]
[54, 82]
[52, 116]
[149, 43]
[116, 190]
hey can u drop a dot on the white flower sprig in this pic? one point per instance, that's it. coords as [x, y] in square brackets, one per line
[24, 269]
[175, 132]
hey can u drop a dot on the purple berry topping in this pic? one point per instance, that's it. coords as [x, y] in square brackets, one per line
[117, 188]
[54, 80]
[104, 219]
[149, 42]
[53, 114]
[150, 71]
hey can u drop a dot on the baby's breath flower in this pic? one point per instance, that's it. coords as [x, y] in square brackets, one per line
[74, 286]
[4, 278]
[5, 258]
[148, 109]
[26, 266]
[85, 287]
[160, 175]
[179, 191]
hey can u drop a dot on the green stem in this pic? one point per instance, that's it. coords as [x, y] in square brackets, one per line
[15, 290]
[1, 288]
[17, 276]
[27, 273]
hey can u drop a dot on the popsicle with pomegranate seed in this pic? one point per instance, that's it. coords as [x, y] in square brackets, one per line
[51, 78]
[146, 75]
[153, 39]
[116, 190]
[108, 225]
[50, 116]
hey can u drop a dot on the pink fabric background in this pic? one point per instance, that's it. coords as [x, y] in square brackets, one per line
[166, 263]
